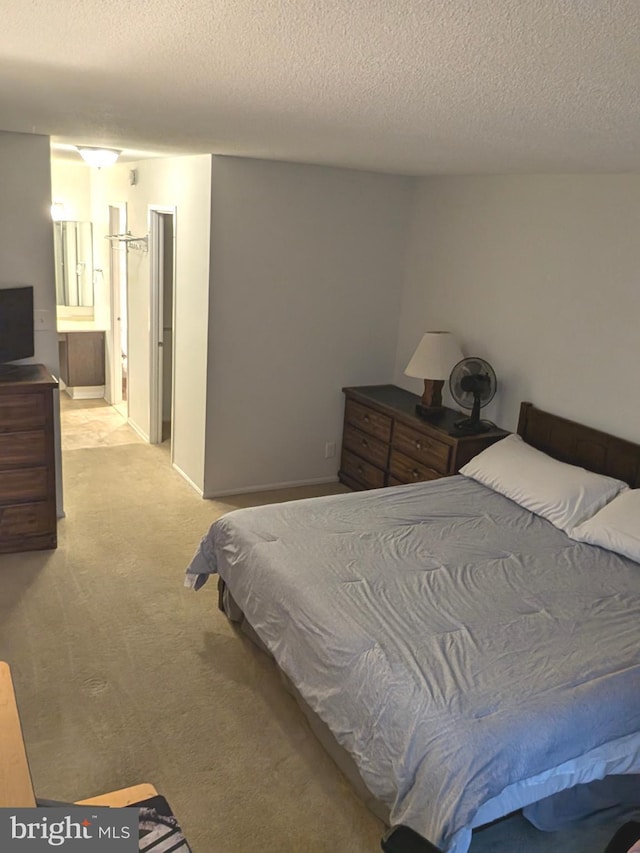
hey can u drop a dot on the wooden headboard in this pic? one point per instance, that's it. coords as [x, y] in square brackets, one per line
[576, 444]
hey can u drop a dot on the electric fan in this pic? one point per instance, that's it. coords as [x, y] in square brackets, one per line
[472, 384]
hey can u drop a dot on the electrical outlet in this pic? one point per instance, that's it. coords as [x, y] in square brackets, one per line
[329, 449]
[42, 320]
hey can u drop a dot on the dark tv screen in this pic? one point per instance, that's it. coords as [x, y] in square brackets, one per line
[16, 323]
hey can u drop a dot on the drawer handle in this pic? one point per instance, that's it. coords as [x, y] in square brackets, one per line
[360, 469]
[418, 445]
[364, 442]
[415, 474]
[366, 419]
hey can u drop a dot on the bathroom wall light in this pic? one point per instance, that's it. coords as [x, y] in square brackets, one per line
[58, 211]
[98, 157]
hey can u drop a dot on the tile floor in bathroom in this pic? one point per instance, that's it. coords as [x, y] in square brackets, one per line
[93, 423]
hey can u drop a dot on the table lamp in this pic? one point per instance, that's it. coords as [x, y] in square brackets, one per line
[434, 358]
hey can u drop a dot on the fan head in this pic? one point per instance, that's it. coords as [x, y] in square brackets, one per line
[473, 384]
[472, 381]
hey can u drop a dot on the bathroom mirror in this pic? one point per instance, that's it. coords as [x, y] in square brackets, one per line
[73, 248]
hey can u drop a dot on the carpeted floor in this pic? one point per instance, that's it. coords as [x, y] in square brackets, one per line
[123, 676]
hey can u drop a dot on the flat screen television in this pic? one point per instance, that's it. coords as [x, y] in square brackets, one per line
[16, 323]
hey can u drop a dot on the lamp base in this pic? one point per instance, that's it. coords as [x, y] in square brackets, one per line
[432, 395]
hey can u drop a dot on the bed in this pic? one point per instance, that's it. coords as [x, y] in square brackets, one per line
[460, 655]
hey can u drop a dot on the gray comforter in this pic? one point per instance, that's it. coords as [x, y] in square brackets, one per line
[453, 642]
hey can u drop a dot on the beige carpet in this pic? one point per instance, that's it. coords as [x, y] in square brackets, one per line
[123, 676]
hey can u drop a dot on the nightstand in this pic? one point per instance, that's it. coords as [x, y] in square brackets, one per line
[384, 442]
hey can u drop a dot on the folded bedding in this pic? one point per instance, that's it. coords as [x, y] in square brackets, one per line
[455, 643]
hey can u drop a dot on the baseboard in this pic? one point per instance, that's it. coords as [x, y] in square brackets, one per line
[85, 392]
[271, 487]
[187, 478]
[134, 426]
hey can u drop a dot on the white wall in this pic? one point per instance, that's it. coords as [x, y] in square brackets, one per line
[71, 185]
[183, 183]
[306, 268]
[541, 276]
[26, 241]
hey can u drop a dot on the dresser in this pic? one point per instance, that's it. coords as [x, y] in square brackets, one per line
[384, 443]
[27, 459]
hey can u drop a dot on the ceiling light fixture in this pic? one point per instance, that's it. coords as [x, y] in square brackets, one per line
[98, 157]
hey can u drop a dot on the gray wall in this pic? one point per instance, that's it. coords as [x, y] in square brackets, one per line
[26, 230]
[540, 275]
[306, 269]
[26, 242]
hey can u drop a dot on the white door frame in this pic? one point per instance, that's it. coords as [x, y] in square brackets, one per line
[117, 250]
[156, 324]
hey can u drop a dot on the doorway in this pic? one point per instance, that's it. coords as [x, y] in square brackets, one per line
[162, 233]
[118, 341]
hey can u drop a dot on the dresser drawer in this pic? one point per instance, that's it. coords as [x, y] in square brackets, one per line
[22, 411]
[22, 448]
[31, 519]
[358, 469]
[423, 448]
[406, 470]
[368, 420]
[24, 484]
[369, 448]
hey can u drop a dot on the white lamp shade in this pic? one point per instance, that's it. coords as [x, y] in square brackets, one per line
[98, 157]
[435, 357]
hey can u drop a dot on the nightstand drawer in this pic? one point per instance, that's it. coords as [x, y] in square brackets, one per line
[366, 446]
[24, 484]
[406, 470]
[368, 420]
[368, 475]
[423, 448]
[22, 411]
[22, 448]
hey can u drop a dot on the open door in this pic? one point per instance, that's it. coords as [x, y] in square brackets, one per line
[117, 341]
[162, 248]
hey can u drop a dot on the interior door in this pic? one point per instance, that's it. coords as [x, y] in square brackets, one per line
[162, 249]
[118, 340]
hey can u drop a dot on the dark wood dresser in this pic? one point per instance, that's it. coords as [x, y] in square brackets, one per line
[384, 443]
[27, 459]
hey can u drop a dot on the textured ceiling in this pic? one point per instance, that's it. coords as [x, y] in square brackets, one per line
[408, 86]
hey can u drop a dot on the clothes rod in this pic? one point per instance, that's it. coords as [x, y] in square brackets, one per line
[125, 237]
[131, 241]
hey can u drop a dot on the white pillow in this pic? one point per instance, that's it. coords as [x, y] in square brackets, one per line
[566, 495]
[616, 526]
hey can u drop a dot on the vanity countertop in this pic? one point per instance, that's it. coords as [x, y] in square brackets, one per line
[65, 324]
